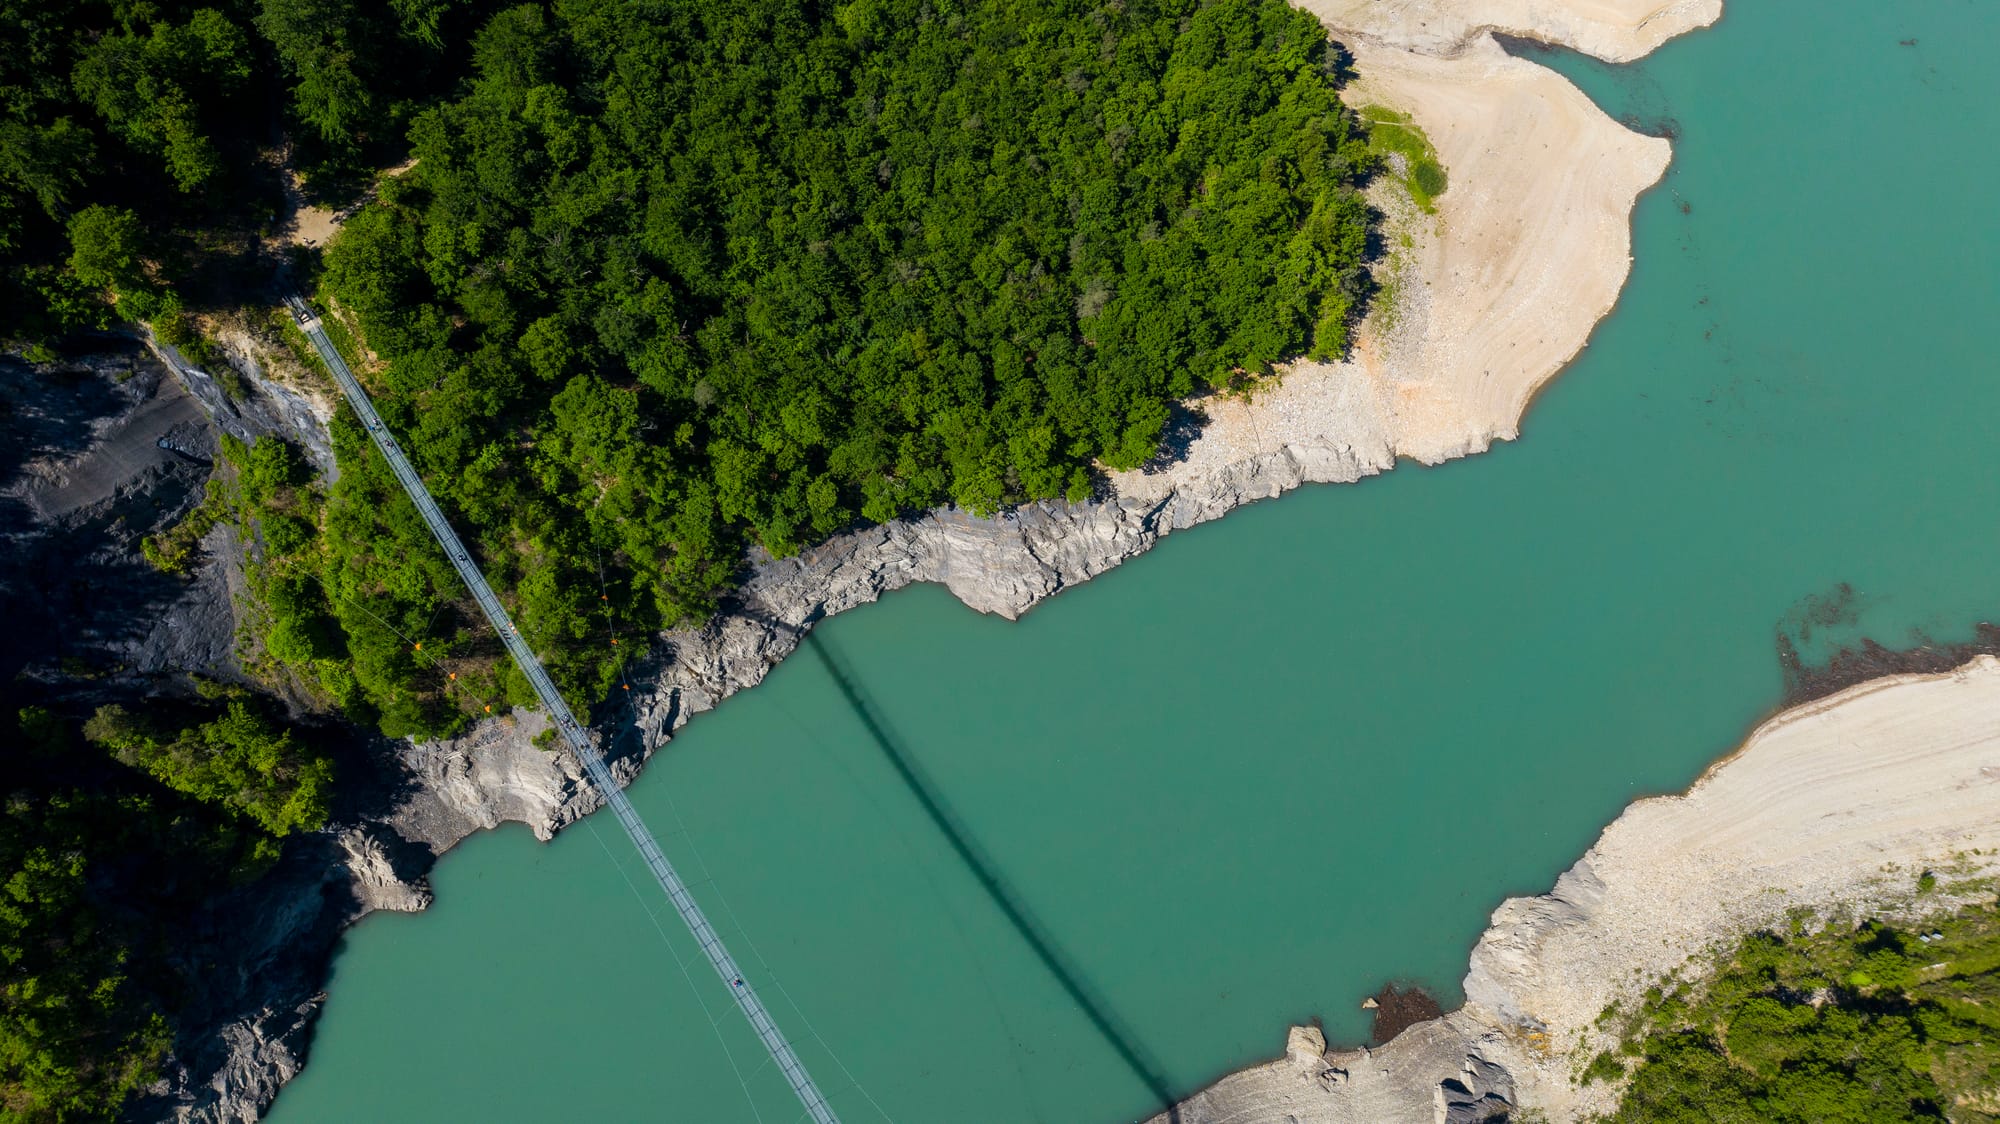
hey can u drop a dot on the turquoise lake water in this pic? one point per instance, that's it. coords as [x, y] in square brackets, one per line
[1281, 759]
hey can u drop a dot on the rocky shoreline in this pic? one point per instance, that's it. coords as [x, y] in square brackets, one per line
[1832, 809]
[1522, 259]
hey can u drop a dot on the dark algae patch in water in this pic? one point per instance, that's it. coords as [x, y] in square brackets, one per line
[1813, 627]
[1397, 1011]
[1868, 659]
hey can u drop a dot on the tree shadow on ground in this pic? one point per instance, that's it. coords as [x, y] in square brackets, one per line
[1184, 425]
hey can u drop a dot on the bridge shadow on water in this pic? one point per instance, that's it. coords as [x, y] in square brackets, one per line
[955, 831]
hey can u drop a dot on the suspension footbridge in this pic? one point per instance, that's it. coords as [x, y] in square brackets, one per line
[572, 733]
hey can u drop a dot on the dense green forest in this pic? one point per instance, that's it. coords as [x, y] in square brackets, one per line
[1844, 1025]
[140, 142]
[352, 600]
[670, 280]
[117, 831]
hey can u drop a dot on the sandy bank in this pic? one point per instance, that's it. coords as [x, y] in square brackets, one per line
[1835, 807]
[1490, 297]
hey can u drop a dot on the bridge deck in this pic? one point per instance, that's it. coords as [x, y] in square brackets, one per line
[573, 733]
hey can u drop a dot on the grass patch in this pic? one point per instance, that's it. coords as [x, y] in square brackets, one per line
[1388, 292]
[337, 323]
[1604, 1067]
[172, 551]
[177, 330]
[1390, 132]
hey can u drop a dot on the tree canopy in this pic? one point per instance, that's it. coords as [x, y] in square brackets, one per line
[1866, 1024]
[150, 129]
[672, 279]
[239, 759]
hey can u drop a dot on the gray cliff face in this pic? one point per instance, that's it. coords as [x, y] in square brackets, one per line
[264, 956]
[1504, 962]
[97, 454]
[1003, 565]
[270, 406]
[431, 795]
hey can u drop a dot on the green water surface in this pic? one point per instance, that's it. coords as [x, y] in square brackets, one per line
[1249, 777]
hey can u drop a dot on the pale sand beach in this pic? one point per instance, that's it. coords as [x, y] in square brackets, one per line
[1835, 808]
[1495, 293]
